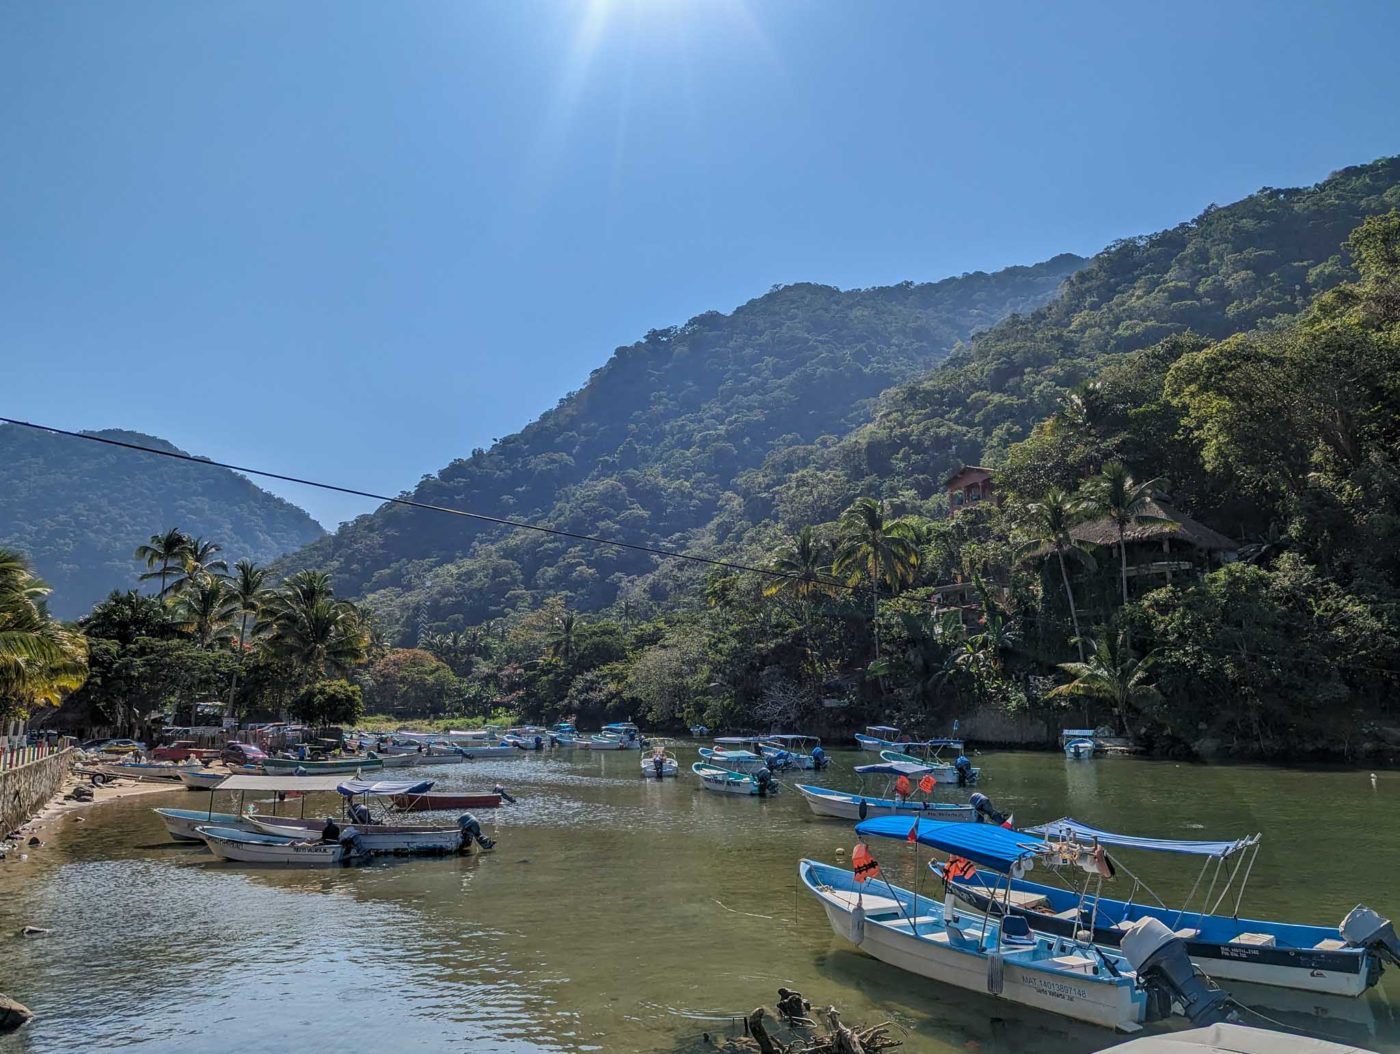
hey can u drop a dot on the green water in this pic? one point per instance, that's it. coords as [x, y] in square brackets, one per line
[616, 914]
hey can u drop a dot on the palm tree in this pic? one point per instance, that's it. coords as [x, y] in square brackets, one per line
[1116, 496]
[308, 627]
[1081, 407]
[562, 642]
[247, 594]
[1113, 675]
[205, 609]
[1047, 526]
[876, 548]
[40, 659]
[163, 549]
[803, 566]
[198, 563]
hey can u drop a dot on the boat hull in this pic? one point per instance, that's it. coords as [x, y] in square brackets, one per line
[374, 838]
[483, 752]
[270, 851]
[1099, 1000]
[841, 805]
[292, 767]
[181, 823]
[669, 767]
[613, 743]
[1339, 971]
[726, 781]
[434, 802]
[202, 779]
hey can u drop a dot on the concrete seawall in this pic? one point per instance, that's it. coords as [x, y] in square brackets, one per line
[25, 789]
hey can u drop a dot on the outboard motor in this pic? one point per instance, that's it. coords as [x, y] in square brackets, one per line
[355, 845]
[764, 778]
[658, 764]
[965, 773]
[1365, 928]
[1166, 972]
[360, 813]
[819, 758]
[985, 810]
[498, 789]
[471, 831]
[539, 742]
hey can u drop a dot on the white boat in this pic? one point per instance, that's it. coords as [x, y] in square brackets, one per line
[245, 847]
[621, 735]
[499, 750]
[727, 781]
[888, 737]
[394, 761]
[374, 838]
[933, 939]
[844, 805]
[1080, 748]
[1228, 1038]
[660, 763]
[961, 773]
[181, 823]
[201, 778]
[789, 751]
[734, 759]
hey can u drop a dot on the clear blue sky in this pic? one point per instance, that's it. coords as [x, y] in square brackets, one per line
[355, 240]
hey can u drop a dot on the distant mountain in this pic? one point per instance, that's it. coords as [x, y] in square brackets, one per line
[650, 448]
[80, 509]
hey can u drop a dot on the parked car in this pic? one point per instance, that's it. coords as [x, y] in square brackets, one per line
[183, 750]
[121, 746]
[242, 754]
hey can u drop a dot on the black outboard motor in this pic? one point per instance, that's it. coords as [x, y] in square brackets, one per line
[498, 789]
[819, 758]
[1365, 928]
[1167, 973]
[764, 778]
[471, 831]
[658, 764]
[985, 810]
[539, 742]
[354, 845]
[965, 773]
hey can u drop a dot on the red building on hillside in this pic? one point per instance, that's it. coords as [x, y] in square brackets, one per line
[969, 485]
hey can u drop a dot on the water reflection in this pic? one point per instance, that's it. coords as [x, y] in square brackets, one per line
[617, 914]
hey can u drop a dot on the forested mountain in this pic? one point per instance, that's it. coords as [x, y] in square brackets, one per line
[80, 509]
[648, 450]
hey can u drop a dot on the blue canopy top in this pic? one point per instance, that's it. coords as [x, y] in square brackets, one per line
[1081, 833]
[383, 788]
[982, 843]
[727, 752]
[894, 768]
[620, 726]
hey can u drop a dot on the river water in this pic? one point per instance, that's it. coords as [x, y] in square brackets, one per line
[617, 914]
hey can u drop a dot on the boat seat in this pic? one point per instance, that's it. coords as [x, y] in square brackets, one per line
[1187, 933]
[1073, 964]
[1330, 944]
[1258, 940]
[1027, 900]
[873, 905]
[912, 925]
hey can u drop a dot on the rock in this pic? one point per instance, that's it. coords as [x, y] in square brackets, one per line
[35, 840]
[13, 1014]
[33, 931]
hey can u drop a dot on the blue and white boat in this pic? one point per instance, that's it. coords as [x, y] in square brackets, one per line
[857, 805]
[1226, 946]
[621, 735]
[527, 737]
[564, 734]
[1080, 749]
[244, 847]
[961, 772]
[791, 751]
[1005, 959]
[734, 758]
[728, 781]
[888, 737]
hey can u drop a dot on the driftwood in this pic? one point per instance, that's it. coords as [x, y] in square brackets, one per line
[841, 1039]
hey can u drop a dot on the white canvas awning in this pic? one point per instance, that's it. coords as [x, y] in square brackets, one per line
[1232, 1039]
[281, 783]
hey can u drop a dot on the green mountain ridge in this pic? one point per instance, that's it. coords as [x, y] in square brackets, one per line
[79, 510]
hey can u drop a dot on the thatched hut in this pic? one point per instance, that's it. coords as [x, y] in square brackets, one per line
[1171, 542]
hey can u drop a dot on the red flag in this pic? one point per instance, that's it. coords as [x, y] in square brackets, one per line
[914, 830]
[926, 784]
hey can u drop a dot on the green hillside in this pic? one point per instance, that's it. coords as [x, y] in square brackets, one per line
[80, 509]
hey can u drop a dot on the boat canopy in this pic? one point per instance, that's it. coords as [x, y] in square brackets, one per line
[982, 843]
[620, 726]
[1078, 733]
[882, 728]
[383, 788]
[726, 752]
[737, 741]
[1072, 830]
[280, 783]
[942, 743]
[894, 768]
[791, 737]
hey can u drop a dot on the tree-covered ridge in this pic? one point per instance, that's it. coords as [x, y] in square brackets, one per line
[649, 448]
[79, 509]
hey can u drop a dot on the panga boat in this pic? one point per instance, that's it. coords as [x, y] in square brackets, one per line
[790, 751]
[960, 771]
[1227, 1038]
[659, 763]
[229, 843]
[1080, 748]
[527, 737]
[904, 780]
[727, 781]
[295, 767]
[1337, 961]
[201, 779]
[888, 737]
[980, 953]
[734, 758]
[393, 761]
[183, 823]
[434, 801]
[621, 735]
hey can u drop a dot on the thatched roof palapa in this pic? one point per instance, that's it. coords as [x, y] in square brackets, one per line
[1179, 527]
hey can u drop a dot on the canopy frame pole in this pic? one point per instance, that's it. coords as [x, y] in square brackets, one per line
[1239, 896]
[1229, 881]
[1187, 902]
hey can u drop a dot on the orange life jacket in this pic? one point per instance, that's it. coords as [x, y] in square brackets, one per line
[959, 868]
[902, 787]
[926, 784]
[863, 863]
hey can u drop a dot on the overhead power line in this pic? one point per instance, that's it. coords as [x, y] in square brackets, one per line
[669, 554]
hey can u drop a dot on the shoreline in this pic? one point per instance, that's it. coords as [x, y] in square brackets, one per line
[57, 807]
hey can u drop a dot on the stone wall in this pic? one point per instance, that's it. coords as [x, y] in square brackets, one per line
[24, 790]
[993, 726]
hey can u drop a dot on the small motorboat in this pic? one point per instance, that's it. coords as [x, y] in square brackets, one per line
[251, 847]
[527, 737]
[201, 778]
[728, 781]
[621, 735]
[393, 761]
[789, 751]
[181, 823]
[960, 772]
[374, 837]
[439, 801]
[699, 730]
[734, 759]
[888, 737]
[336, 767]
[659, 763]
[1080, 749]
[486, 750]
[844, 805]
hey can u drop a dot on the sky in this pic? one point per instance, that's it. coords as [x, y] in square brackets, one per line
[352, 241]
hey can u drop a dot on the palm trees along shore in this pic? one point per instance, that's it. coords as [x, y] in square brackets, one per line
[40, 658]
